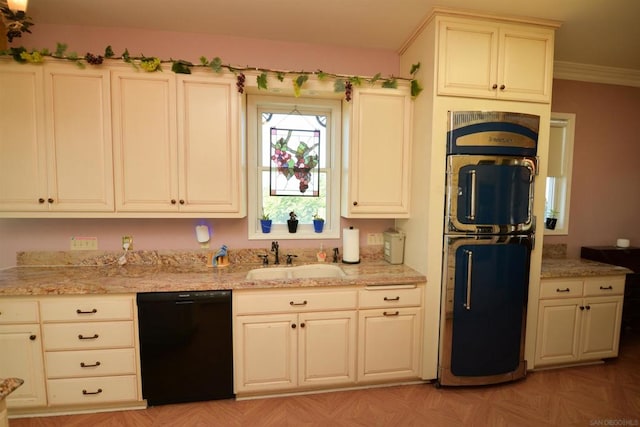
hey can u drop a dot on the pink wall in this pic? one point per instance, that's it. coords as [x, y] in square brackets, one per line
[605, 190]
[54, 234]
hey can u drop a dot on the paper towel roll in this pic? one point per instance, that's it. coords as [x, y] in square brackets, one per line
[350, 245]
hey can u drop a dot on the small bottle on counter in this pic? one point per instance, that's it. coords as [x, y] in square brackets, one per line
[321, 255]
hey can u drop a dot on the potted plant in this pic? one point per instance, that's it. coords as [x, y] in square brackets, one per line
[551, 219]
[318, 223]
[265, 223]
[292, 222]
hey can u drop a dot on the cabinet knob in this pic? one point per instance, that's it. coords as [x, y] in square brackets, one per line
[355, 203]
[293, 326]
[495, 86]
[50, 200]
[40, 200]
[32, 337]
[173, 201]
[502, 87]
[581, 307]
[302, 325]
[181, 202]
[588, 307]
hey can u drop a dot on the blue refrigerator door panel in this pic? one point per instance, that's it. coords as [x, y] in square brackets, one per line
[490, 195]
[488, 285]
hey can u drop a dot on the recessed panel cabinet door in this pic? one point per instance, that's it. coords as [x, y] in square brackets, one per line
[601, 327]
[23, 177]
[145, 141]
[208, 145]
[79, 147]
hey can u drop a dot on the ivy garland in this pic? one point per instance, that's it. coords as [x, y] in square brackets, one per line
[153, 64]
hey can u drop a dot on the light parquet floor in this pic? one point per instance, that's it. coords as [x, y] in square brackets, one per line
[598, 395]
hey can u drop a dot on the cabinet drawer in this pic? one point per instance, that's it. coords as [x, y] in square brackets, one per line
[77, 336]
[90, 363]
[604, 286]
[286, 301]
[92, 390]
[86, 309]
[569, 288]
[390, 298]
[18, 311]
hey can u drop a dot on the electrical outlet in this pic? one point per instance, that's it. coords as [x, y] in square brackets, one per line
[127, 243]
[83, 243]
[375, 239]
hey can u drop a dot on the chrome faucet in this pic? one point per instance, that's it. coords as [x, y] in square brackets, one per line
[274, 248]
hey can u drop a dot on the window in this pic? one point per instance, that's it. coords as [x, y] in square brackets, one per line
[558, 185]
[294, 165]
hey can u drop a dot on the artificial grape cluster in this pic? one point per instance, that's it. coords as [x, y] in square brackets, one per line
[303, 175]
[348, 88]
[150, 64]
[93, 59]
[281, 159]
[240, 83]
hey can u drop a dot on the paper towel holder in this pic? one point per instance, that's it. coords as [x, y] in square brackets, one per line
[344, 251]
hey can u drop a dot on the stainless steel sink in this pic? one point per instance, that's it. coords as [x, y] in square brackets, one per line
[299, 272]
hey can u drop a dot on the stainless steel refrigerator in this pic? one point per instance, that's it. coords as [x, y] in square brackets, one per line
[489, 226]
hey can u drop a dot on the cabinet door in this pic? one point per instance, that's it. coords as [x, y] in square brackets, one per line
[327, 348]
[145, 141]
[525, 71]
[601, 327]
[23, 176]
[558, 331]
[389, 344]
[79, 146]
[209, 145]
[467, 59]
[265, 348]
[21, 357]
[378, 157]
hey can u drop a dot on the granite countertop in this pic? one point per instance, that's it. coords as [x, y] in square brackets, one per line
[577, 267]
[115, 279]
[8, 385]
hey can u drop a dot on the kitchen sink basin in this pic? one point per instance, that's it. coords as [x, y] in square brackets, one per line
[308, 271]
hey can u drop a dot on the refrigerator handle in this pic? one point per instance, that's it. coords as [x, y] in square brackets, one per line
[472, 196]
[467, 304]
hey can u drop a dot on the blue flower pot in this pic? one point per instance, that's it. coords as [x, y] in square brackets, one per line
[266, 225]
[318, 225]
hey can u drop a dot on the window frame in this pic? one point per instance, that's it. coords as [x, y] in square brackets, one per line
[331, 229]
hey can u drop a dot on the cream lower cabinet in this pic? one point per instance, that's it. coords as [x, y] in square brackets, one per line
[177, 144]
[21, 351]
[485, 59]
[377, 150]
[90, 350]
[389, 338]
[302, 340]
[579, 320]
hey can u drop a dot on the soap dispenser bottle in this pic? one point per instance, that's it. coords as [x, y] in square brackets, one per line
[321, 255]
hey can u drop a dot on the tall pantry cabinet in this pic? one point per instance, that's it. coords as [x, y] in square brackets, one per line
[468, 62]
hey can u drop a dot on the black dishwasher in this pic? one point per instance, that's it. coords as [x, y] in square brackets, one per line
[186, 350]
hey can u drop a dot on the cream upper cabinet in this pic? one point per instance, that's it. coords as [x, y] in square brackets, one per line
[177, 144]
[78, 134]
[483, 59]
[55, 139]
[579, 320]
[23, 177]
[377, 150]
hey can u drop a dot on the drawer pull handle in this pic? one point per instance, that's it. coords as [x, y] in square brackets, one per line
[563, 290]
[392, 299]
[86, 312]
[82, 337]
[395, 313]
[298, 303]
[607, 288]
[85, 392]
[84, 365]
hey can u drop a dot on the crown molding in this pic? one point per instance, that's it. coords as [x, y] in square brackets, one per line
[596, 74]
